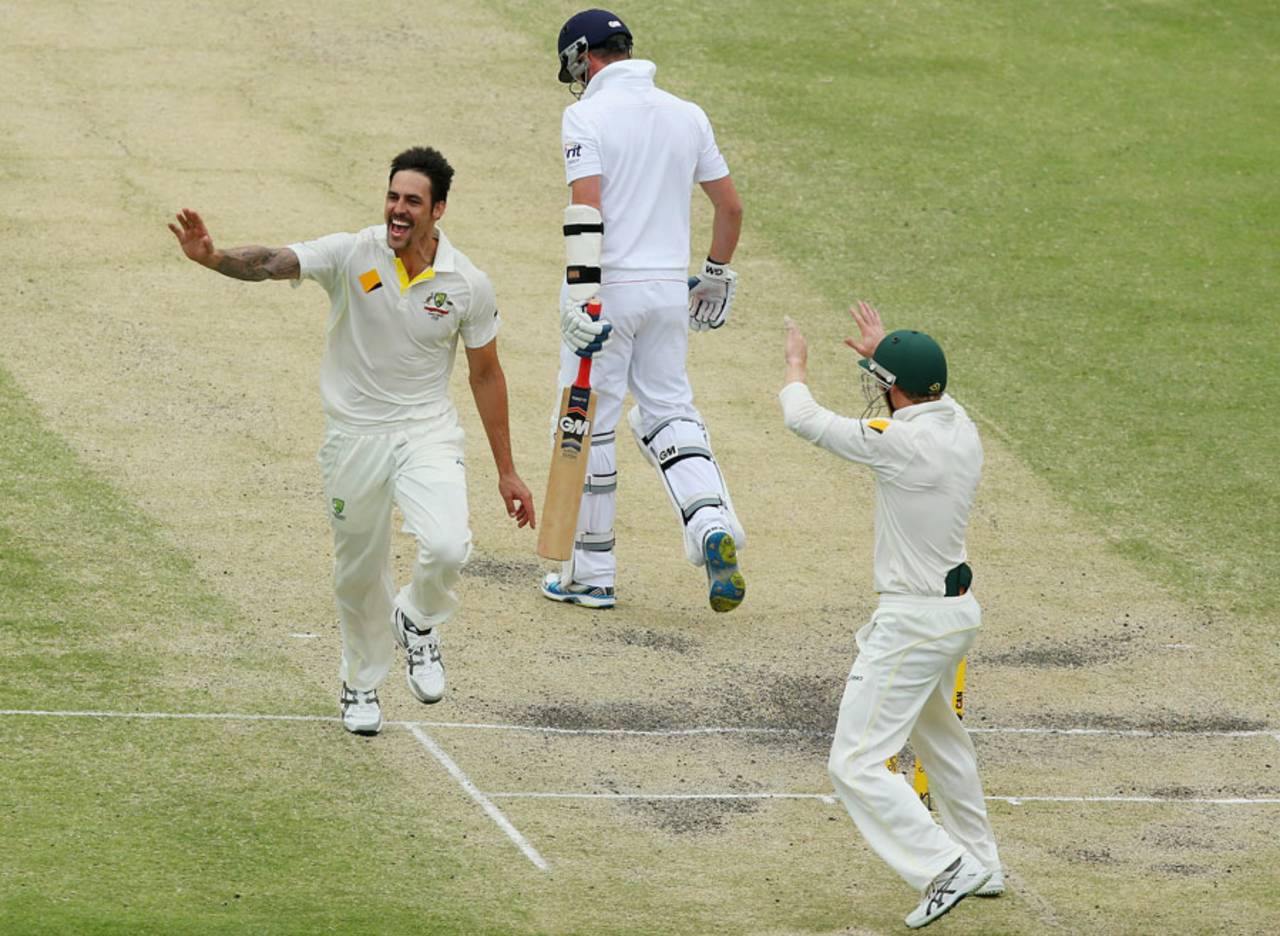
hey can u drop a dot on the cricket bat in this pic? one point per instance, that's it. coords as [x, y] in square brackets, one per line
[568, 462]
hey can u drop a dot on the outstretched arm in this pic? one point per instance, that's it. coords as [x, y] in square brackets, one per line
[489, 387]
[243, 263]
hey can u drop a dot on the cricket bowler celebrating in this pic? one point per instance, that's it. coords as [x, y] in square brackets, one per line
[927, 460]
[400, 295]
[633, 154]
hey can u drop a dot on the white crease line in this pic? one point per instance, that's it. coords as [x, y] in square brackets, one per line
[1013, 800]
[829, 800]
[1131, 732]
[649, 733]
[1203, 801]
[192, 716]
[629, 732]
[485, 803]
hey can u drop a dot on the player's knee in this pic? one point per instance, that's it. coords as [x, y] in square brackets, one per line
[445, 552]
[850, 766]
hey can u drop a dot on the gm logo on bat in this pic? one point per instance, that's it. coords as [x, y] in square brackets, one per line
[574, 424]
[573, 431]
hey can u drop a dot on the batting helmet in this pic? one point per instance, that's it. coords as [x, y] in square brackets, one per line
[589, 29]
[909, 360]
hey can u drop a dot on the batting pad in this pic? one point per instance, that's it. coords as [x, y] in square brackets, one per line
[680, 450]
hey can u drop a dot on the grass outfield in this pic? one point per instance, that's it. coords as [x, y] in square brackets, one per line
[1076, 199]
[1050, 187]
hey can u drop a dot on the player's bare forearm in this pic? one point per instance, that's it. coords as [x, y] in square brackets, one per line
[254, 264]
[243, 263]
[795, 354]
[489, 387]
[490, 393]
[726, 224]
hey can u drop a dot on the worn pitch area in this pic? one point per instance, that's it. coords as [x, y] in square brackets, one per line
[195, 396]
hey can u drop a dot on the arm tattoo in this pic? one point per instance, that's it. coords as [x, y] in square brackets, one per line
[259, 263]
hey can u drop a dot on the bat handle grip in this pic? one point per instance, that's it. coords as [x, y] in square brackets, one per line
[584, 365]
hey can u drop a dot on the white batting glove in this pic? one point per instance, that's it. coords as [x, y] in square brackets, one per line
[710, 296]
[583, 334]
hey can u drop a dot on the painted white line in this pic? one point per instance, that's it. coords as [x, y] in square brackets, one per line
[485, 803]
[1129, 732]
[830, 800]
[1013, 800]
[1039, 905]
[626, 732]
[653, 733]
[190, 716]
[1203, 801]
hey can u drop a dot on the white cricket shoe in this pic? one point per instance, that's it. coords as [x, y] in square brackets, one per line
[960, 879]
[361, 713]
[589, 596]
[424, 671]
[994, 886]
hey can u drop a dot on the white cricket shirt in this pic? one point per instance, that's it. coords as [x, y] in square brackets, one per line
[649, 149]
[927, 462]
[391, 343]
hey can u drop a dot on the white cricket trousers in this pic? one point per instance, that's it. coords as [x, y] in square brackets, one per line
[419, 467]
[901, 686]
[645, 353]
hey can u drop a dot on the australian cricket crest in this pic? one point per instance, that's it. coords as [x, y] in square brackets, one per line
[574, 424]
[438, 305]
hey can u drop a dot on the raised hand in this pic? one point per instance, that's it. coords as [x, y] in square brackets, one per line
[870, 328]
[193, 237]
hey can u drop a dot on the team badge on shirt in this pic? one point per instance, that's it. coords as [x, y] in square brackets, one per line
[370, 280]
[879, 425]
[438, 305]
[572, 152]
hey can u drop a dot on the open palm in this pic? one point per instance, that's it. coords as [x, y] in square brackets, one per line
[193, 237]
[870, 329]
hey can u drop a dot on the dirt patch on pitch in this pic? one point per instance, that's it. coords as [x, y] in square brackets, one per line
[690, 817]
[1051, 654]
[661, 641]
[504, 570]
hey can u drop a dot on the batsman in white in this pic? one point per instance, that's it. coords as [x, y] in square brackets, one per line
[927, 460]
[633, 154]
[400, 295]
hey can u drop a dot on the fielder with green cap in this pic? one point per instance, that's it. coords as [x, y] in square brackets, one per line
[927, 460]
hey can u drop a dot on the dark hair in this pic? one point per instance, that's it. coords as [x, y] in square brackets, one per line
[431, 164]
[616, 46]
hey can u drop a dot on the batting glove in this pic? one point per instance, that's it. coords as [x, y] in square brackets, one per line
[583, 334]
[710, 295]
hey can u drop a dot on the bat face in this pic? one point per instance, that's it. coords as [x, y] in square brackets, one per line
[575, 423]
[559, 518]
